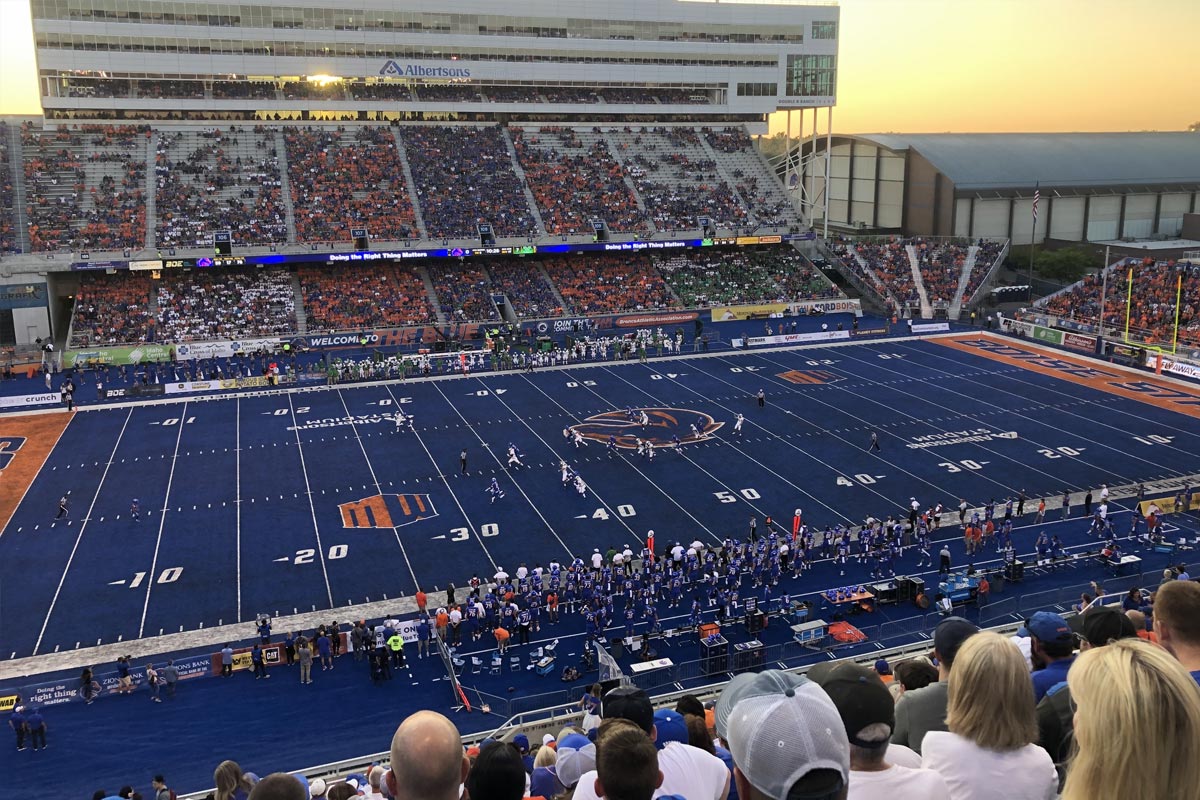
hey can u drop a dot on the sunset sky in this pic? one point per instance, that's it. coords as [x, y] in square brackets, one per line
[941, 65]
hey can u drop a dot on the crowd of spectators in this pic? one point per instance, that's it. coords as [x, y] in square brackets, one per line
[448, 92]
[677, 181]
[368, 296]
[85, 187]
[766, 202]
[313, 90]
[1151, 302]
[574, 183]
[112, 309]
[570, 94]
[8, 217]
[985, 258]
[343, 178]
[464, 292]
[225, 304]
[158, 89]
[98, 87]
[941, 264]
[525, 286]
[243, 90]
[513, 94]
[219, 180]
[381, 90]
[464, 176]
[885, 265]
[764, 275]
[683, 96]
[609, 283]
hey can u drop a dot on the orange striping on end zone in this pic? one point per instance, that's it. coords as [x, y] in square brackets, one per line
[1101, 377]
[25, 443]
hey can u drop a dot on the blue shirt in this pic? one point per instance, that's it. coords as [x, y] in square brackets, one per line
[1053, 673]
[1196, 675]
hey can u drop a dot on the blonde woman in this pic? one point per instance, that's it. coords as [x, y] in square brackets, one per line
[988, 753]
[1134, 696]
[231, 783]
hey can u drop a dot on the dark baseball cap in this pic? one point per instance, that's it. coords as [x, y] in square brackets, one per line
[631, 703]
[861, 697]
[949, 635]
[1104, 624]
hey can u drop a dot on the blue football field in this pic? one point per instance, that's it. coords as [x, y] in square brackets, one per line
[312, 499]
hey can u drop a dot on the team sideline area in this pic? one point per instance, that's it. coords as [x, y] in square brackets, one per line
[314, 507]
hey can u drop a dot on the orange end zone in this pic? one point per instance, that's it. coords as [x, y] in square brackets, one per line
[1144, 389]
[25, 444]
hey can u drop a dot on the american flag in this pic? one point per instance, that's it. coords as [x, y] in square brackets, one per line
[1037, 195]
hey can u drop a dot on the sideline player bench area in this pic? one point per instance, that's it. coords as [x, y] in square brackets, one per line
[297, 502]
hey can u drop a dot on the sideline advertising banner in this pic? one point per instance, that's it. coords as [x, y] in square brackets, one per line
[791, 338]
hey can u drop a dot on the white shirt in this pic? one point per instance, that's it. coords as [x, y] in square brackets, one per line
[972, 773]
[687, 771]
[897, 782]
[597, 561]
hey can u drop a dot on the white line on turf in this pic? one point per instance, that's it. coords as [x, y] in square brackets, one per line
[312, 508]
[62, 579]
[162, 521]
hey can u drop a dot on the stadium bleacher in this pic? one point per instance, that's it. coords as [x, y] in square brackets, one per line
[882, 264]
[610, 284]
[464, 176]
[8, 217]
[525, 286]
[464, 292]
[112, 309]
[370, 296]
[768, 275]
[225, 304]
[218, 180]
[85, 187]
[347, 178]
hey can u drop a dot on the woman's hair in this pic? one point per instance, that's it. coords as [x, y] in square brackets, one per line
[689, 704]
[498, 774]
[1133, 695]
[595, 690]
[229, 778]
[990, 697]
[546, 756]
[698, 735]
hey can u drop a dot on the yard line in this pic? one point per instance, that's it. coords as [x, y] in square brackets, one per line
[311, 507]
[446, 481]
[162, 521]
[79, 537]
[1000, 409]
[730, 443]
[657, 488]
[504, 468]
[237, 505]
[1116, 409]
[378, 488]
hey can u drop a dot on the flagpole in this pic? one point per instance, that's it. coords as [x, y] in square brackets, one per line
[1032, 237]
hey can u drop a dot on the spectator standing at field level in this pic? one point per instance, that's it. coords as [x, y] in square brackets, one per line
[154, 682]
[226, 661]
[37, 729]
[305, 656]
[259, 662]
[20, 726]
[170, 676]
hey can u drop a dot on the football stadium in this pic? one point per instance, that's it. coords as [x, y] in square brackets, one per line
[489, 353]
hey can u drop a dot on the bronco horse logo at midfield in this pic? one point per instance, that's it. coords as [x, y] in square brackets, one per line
[664, 423]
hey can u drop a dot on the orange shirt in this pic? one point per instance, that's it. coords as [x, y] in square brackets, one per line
[420, 599]
[1149, 636]
[502, 635]
[443, 619]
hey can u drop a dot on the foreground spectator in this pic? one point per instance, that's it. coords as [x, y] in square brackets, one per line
[924, 710]
[988, 752]
[278, 786]
[497, 773]
[786, 736]
[428, 762]
[231, 782]
[1052, 646]
[626, 763]
[687, 771]
[1137, 725]
[869, 715]
[1177, 622]
[1056, 711]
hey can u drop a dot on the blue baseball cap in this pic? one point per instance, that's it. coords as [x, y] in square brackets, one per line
[1046, 626]
[671, 727]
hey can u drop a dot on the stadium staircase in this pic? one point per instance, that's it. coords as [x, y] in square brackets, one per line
[726, 174]
[558, 298]
[418, 217]
[516, 163]
[16, 166]
[431, 293]
[151, 191]
[285, 189]
[616, 153]
[964, 276]
[301, 314]
[919, 282]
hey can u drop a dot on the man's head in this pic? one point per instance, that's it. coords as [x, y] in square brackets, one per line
[1104, 624]
[158, 782]
[1137, 619]
[1177, 621]
[948, 636]
[626, 762]
[498, 774]
[1051, 638]
[631, 703]
[427, 759]
[787, 739]
[669, 726]
[576, 756]
[865, 706]
[277, 786]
